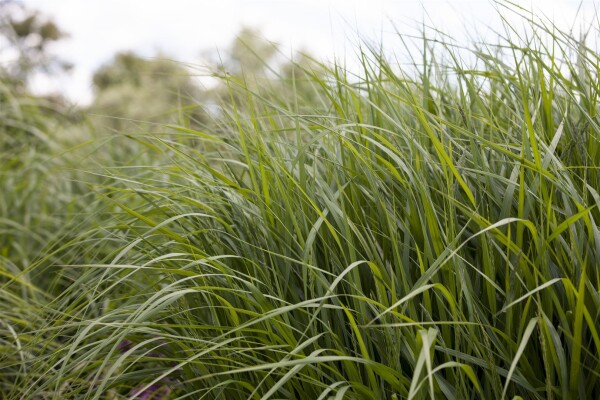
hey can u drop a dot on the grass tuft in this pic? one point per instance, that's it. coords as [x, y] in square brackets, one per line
[391, 234]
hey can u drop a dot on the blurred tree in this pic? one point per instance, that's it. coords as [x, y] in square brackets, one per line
[253, 62]
[250, 53]
[25, 38]
[131, 90]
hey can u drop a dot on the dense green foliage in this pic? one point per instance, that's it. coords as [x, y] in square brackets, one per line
[133, 92]
[25, 38]
[422, 234]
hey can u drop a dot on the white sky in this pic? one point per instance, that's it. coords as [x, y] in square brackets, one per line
[184, 28]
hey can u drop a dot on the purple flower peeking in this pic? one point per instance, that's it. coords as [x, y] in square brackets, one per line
[124, 346]
[156, 391]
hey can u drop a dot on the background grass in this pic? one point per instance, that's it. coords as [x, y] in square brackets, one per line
[422, 233]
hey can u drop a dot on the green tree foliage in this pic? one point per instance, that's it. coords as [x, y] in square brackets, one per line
[131, 90]
[251, 62]
[25, 38]
[250, 53]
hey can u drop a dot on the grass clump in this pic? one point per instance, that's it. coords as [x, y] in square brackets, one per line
[414, 235]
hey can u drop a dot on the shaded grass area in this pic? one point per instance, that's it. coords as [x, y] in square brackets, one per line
[400, 235]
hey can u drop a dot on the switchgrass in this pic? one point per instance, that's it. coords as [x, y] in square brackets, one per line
[423, 234]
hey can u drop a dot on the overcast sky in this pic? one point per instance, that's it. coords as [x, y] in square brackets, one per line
[184, 28]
